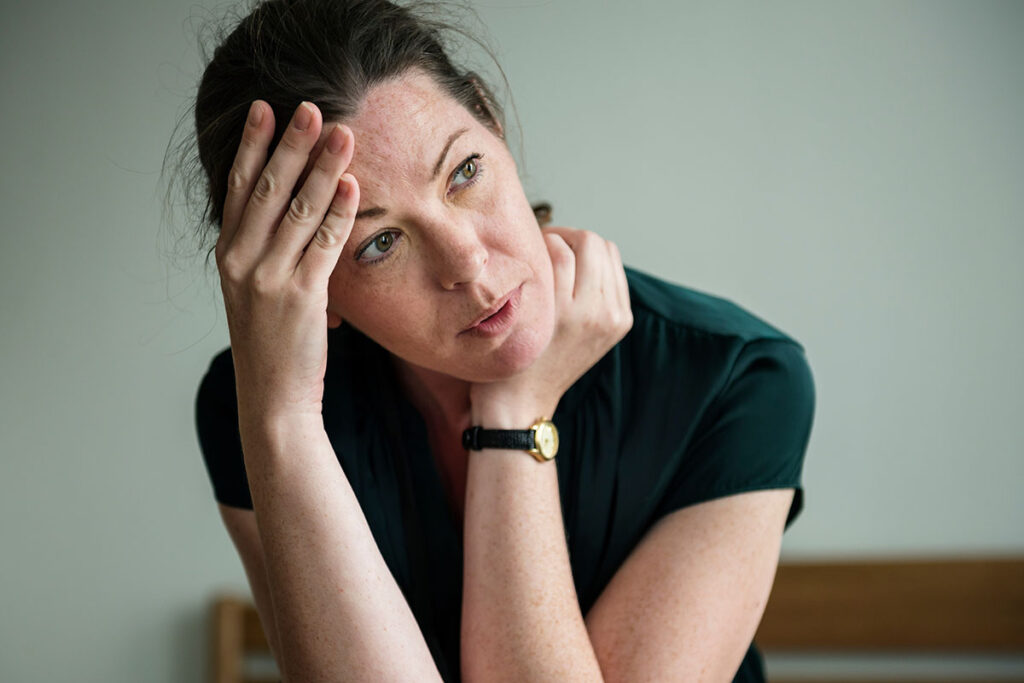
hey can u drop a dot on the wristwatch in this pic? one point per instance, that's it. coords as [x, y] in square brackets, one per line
[540, 440]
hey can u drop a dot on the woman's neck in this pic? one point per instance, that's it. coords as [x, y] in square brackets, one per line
[441, 399]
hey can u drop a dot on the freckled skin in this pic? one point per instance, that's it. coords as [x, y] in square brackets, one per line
[461, 249]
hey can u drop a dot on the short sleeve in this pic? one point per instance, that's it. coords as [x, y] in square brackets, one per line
[755, 433]
[219, 440]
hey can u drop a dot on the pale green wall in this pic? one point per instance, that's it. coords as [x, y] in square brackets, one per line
[850, 171]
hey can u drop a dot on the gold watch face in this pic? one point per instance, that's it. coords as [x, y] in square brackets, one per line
[545, 436]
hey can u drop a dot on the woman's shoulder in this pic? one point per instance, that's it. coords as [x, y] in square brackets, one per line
[684, 345]
[218, 382]
[660, 304]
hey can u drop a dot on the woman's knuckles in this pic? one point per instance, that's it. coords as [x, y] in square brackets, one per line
[267, 188]
[265, 281]
[232, 267]
[238, 180]
[301, 210]
[627, 323]
[561, 262]
[220, 252]
[326, 237]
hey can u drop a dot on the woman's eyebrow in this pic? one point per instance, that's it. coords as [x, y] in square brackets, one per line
[444, 153]
[376, 211]
[371, 212]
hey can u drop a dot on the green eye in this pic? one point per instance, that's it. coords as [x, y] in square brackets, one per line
[468, 172]
[377, 247]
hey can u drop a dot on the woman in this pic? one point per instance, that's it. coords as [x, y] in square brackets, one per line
[389, 294]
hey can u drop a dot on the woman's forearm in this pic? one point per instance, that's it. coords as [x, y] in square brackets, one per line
[521, 619]
[339, 613]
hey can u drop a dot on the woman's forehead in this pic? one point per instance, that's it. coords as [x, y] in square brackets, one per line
[402, 126]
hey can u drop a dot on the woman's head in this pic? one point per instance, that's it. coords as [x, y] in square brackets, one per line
[446, 235]
[330, 52]
[430, 252]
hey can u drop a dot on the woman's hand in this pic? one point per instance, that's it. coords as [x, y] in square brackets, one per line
[275, 255]
[592, 315]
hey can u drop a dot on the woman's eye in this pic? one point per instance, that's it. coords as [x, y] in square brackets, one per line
[377, 247]
[468, 172]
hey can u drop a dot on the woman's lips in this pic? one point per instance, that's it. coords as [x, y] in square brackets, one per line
[500, 320]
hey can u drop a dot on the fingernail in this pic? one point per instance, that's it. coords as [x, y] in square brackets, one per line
[335, 140]
[255, 114]
[303, 116]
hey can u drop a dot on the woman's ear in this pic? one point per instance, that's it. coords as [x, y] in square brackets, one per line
[333, 320]
[542, 211]
[485, 106]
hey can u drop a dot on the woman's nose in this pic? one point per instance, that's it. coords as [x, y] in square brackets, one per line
[461, 255]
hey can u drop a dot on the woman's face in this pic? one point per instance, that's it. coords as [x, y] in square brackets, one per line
[444, 235]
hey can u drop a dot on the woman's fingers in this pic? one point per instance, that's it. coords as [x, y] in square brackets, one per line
[621, 285]
[597, 283]
[272, 192]
[573, 239]
[249, 161]
[563, 265]
[591, 261]
[321, 256]
[306, 212]
[610, 286]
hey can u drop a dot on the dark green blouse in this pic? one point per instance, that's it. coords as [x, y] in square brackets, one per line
[700, 400]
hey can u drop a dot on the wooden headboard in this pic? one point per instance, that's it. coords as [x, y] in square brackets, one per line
[962, 605]
[910, 606]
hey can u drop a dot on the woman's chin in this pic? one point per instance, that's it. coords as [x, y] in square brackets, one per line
[517, 354]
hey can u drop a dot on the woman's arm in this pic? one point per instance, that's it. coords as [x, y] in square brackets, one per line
[241, 526]
[521, 619]
[338, 612]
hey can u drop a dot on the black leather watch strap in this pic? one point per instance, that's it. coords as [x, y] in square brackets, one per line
[478, 438]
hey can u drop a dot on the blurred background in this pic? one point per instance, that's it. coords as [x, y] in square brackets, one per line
[850, 172]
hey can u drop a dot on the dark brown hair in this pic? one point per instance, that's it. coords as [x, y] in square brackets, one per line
[329, 52]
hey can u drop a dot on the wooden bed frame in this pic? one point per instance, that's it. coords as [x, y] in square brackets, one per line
[918, 606]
